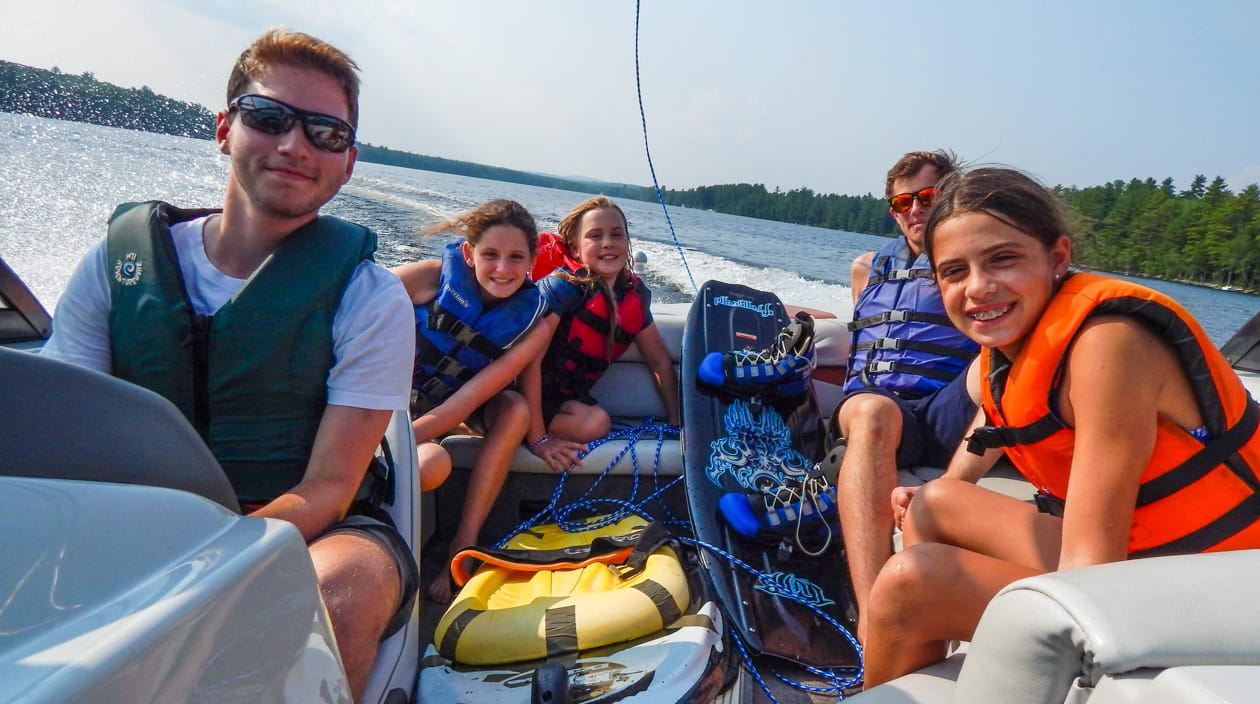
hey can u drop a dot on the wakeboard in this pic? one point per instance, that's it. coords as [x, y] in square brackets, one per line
[739, 444]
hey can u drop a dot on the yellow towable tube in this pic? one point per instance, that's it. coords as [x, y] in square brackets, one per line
[505, 615]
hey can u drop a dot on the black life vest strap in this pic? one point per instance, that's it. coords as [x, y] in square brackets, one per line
[892, 343]
[900, 275]
[466, 335]
[886, 367]
[1228, 524]
[1213, 454]
[897, 316]
[201, 373]
[989, 437]
[621, 336]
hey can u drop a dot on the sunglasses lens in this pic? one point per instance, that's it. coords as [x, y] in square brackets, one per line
[901, 202]
[328, 134]
[926, 196]
[270, 120]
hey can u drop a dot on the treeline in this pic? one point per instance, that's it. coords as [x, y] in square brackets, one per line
[1204, 234]
[393, 157]
[82, 98]
[866, 214]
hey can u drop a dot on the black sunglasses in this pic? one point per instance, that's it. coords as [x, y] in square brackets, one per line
[270, 116]
[902, 202]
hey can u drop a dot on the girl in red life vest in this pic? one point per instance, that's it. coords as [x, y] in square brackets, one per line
[475, 332]
[597, 307]
[1095, 389]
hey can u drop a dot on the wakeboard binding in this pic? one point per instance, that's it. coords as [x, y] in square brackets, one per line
[782, 369]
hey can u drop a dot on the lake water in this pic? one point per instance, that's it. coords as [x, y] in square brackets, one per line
[59, 182]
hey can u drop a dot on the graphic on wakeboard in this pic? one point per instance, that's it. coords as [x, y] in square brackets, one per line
[756, 449]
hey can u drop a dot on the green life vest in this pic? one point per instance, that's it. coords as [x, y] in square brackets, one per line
[252, 378]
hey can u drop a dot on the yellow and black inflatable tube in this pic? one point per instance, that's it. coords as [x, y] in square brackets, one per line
[504, 615]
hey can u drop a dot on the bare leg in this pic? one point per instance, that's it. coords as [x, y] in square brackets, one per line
[934, 592]
[580, 422]
[872, 425]
[360, 586]
[507, 420]
[926, 596]
[974, 518]
[434, 463]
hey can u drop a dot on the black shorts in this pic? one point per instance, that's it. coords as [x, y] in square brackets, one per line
[408, 571]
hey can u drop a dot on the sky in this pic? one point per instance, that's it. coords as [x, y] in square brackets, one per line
[823, 94]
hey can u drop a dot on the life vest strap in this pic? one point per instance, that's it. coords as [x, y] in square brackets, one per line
[893, 343]
[1213, 454]
[887, 367]
[900, 275]
[990, 437]
[897, 316]
[447, 322]
[620, 335]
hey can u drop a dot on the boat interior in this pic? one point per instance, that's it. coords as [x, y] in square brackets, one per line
[1172, 629]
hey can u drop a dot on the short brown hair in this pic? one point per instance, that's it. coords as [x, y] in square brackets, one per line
[277, 46]
[909, 164]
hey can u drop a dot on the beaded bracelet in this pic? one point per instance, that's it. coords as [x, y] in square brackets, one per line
[538, 443]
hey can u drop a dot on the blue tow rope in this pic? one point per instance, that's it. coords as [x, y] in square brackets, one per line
[780, 584]
[648, 150]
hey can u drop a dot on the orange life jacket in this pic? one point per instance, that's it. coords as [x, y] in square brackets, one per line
[1194, 496]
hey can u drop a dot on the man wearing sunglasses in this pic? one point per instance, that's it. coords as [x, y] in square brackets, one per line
[270, 327]
[906, 402]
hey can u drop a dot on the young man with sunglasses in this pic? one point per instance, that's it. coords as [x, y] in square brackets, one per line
[906, 402]
[270, 327]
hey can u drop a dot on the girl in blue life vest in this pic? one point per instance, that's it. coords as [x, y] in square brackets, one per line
[475, 314]
[597, 307]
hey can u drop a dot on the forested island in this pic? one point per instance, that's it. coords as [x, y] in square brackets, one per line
[1203, 234]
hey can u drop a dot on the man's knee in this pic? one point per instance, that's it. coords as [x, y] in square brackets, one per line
[360, 581]
[865, 414]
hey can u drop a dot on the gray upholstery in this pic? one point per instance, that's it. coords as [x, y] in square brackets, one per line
[61, 421]
[1037, 635]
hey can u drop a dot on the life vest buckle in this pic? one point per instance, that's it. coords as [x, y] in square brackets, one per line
[896, 316]
[449, 367]
[887, 343]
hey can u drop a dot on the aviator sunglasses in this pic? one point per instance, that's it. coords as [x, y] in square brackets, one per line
[270, 116]
[902, 202]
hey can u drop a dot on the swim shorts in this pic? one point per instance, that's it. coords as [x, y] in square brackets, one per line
[932, 426]
[408, 571]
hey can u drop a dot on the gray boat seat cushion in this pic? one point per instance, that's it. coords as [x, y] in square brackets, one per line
[62, 421]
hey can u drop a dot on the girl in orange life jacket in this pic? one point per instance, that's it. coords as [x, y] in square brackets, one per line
[596, 288]
[479, 288]
[1088, 384]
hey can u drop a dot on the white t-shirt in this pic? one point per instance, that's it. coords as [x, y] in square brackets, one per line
[373, 330]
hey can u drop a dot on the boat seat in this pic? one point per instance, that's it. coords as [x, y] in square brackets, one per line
[1162, 629]
[62, 421]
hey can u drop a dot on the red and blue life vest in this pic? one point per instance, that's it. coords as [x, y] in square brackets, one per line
[458, 334]
[902, 339]
[580, 352]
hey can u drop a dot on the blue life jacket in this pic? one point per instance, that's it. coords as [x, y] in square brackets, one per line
[458, 335]
[902, 339]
